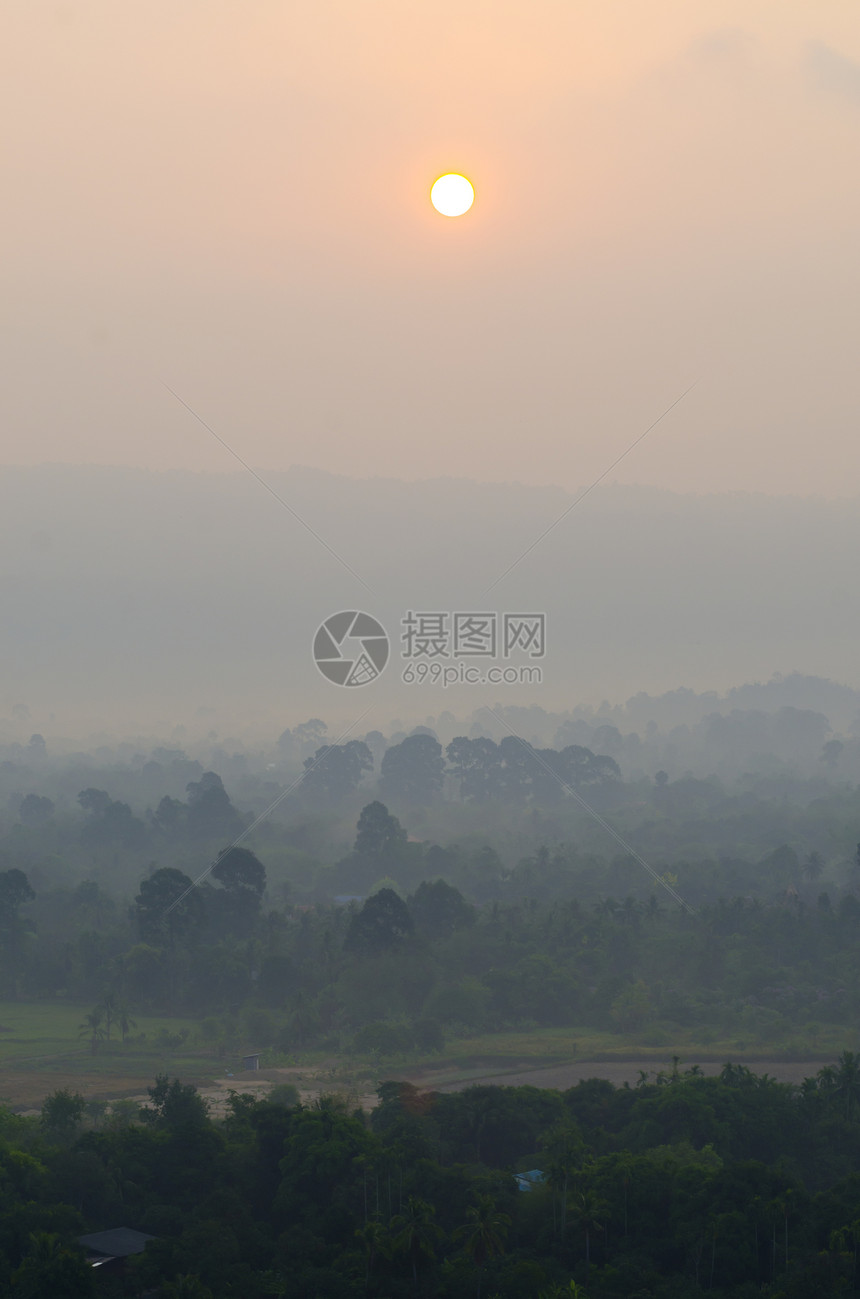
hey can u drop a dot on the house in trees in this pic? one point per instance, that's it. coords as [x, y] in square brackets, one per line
[108, 1250]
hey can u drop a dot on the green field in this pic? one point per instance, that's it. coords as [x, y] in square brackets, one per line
[42, 1048]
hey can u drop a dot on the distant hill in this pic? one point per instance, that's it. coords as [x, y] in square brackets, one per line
[136, 599]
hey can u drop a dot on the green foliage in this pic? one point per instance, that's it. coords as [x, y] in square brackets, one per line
[285, 1095]
[174, 1105]
[382, 923]
[52, 1267]
[62, 1114]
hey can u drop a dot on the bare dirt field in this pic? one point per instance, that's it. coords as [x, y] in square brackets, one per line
[620, 1072]
[29, 1088]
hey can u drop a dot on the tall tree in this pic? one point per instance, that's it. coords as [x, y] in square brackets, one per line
[378, 833]
[417, 1233]
[483, 1234]
[382, 923]
[335, 771]
[413, 771]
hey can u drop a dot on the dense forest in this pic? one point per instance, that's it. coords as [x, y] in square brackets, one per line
[683, 1185]
[380, 899]
[520, 886]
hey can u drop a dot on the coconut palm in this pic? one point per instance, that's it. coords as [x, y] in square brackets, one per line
[589, 1210]
[93, 1027]
[375, 1239]
[848, 1080]
[563, 1146]
[483, 1234]
[108, 1008]
[124, 1019]
[417, 1233]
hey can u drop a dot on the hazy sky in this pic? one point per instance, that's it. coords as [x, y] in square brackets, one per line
[232, 198]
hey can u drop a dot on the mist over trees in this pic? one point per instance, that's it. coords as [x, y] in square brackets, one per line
[684, 571]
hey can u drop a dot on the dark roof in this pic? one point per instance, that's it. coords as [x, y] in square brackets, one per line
[118, 1243]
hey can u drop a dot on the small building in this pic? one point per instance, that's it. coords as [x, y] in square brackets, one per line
[251, 1062]
[528, 1181]
[110, 1249]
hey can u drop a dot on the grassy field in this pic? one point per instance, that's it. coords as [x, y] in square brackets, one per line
[549, 1046]
[42, 1049]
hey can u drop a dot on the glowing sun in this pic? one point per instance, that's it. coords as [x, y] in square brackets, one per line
[452, 195]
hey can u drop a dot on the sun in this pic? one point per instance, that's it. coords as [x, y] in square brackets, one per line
[452, 195]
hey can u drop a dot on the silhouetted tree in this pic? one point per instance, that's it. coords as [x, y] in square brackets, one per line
[382, 923]
[413, 771]
[378, 833]
[335, 771]
[36, 811]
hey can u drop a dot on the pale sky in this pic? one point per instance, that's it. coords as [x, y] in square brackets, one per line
[232, 198]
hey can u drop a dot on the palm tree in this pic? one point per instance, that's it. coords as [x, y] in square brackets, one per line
[124, 1019]
[564, 1147]
[843, 1238]
[92, 1027]
[374, 1237]
[417, 1233]
[188, 1286]
[589, 1211]
[108, 1006]
[483, 1234]
[848, 1080]
[625, 1167]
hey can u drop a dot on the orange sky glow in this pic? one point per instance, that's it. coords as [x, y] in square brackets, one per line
[233, 200]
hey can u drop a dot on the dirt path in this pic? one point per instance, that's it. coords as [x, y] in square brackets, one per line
[619, 1072]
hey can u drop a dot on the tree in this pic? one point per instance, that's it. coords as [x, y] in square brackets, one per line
[831, 753]
[847, 1085]
[382, 923]
[589, 1209]
[564, 1148]
[813, 867]
[174, 1105]
[94, 801]
[36, 811]
[124, 1019]
[417, 1233]
[61, 1115]
[108, 1009]
[631, 1007]
[243, 877]
[186, 1285]
[483, 1234]
[51, 1267]
[413, 771]
[335, 771]
[93, 1027]
[159, 892]
[438, 909]
[477, 765]
[210, 812]
[238, 869]
[376, 1241]
[378, 833]
[15, 890]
